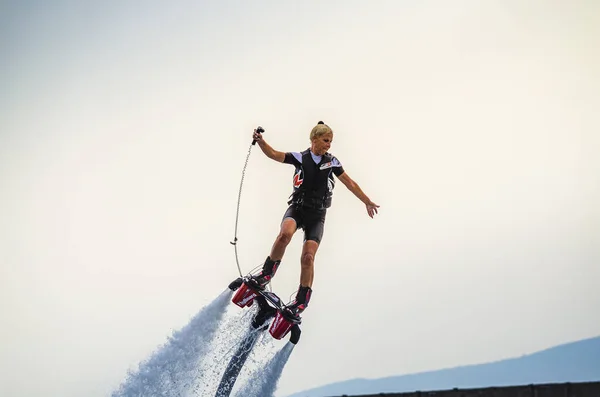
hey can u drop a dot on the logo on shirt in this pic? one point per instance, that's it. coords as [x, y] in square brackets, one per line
[330, 184]
[298, 179]
[326, 165]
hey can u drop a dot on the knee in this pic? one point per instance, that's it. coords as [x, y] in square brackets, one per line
[308, 259]
[284, 238]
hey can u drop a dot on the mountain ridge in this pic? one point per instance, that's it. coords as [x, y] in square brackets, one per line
[577, 361]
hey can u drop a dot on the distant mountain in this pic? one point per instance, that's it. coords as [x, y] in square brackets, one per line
[572, 362]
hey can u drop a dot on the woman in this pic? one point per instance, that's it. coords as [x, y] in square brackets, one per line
[313, 189]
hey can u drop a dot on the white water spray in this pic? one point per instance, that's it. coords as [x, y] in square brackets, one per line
[233, 329]
[173, 368]
[263, 382]
[192, 361]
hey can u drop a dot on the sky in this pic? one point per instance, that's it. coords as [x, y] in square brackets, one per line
[124, 129]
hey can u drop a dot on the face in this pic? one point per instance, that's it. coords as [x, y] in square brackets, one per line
[320, 145]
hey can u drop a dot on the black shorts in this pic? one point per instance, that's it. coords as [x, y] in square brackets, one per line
[311, 220]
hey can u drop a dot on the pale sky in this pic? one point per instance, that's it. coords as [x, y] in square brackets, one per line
[124, 128]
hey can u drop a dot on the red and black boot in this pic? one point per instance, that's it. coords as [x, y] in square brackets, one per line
[263, 278]
[301, 302]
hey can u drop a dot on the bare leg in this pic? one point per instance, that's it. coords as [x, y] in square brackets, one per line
[307, 261]
[288, 228]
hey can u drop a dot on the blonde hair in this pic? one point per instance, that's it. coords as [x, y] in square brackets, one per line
[319, 130]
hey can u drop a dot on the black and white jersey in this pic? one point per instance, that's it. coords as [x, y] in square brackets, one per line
[313, 180]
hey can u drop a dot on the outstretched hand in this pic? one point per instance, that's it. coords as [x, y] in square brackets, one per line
[371, 208]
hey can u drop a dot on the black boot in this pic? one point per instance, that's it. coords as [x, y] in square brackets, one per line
[301, 301]
[263, 278]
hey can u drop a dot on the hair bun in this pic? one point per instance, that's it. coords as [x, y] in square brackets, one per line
[320, 122]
